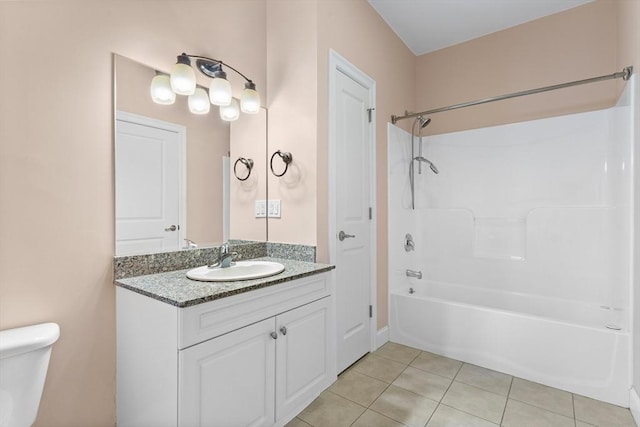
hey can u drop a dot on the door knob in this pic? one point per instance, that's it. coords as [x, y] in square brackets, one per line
[274, 335]
[342, 235]
[171, 228]
[283, 330]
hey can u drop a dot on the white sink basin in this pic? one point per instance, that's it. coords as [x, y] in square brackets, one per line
[241, 270]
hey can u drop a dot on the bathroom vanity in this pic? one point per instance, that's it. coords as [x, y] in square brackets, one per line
[244, 353]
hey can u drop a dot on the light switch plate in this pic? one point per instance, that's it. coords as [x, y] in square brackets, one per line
[261, 208]
[274, 209]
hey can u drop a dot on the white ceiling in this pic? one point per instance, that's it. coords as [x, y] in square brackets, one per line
[428, 25]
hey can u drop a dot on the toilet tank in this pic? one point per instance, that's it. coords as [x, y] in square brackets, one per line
[24, 359]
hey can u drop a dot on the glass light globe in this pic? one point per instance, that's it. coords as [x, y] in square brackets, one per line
[161, 92]
[199, 102]
[230, 112]
[250, 99]
[220, 92]
[183, 79]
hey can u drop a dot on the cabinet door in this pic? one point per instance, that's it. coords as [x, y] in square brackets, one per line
[302, 355]
[229, 381]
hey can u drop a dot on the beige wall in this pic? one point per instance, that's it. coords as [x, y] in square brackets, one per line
[628, 36]
[248, 140]
[293, 102]
[576, 44]
[56, 171]
[356, 31]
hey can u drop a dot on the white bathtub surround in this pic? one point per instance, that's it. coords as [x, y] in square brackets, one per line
[634, 404]
[524, 244]
[592, 361]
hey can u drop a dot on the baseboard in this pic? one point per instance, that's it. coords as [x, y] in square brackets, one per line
[382, 336]
[634, 405]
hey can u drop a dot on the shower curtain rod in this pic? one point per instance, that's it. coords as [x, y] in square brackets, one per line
[625, 74]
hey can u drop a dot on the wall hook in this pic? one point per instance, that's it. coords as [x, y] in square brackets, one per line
[286, 157]
[249, 165]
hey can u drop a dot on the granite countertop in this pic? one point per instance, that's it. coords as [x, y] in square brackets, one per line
[176, 289]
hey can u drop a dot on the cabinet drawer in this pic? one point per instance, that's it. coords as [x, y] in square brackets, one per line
[209, 320]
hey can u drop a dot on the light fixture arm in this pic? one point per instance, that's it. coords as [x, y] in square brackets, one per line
[204, 60]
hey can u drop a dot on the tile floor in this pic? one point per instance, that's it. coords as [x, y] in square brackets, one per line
[400, 386]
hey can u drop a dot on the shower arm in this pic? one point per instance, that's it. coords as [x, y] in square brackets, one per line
[625, 74]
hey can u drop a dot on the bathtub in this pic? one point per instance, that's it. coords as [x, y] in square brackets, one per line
[562, 344]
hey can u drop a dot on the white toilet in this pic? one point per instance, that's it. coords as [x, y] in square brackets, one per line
[24, 359]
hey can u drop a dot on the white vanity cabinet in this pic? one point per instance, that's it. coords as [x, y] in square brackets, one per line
[253, 359]
[268, 368]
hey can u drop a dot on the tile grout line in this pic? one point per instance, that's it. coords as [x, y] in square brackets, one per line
[387, 388]
[444, 394]
[410, 391]
[352, 401]
[433, 373]
[395, 360]
[386, 416]
[504, 411]
[542, 408]
[345, 398]
[368, 407]
[477, 388]
[468, 413]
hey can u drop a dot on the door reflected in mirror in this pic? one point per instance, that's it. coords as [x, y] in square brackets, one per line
[174, 170]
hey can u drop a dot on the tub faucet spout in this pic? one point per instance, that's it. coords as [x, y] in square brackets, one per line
[413, 273]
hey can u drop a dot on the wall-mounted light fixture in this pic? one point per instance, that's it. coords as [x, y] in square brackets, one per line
[182, 81]
[161, 92]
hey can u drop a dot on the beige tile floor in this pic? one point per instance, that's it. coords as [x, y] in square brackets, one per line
[401, 386]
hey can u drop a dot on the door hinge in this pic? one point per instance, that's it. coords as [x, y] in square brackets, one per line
[369, 110]
[370, 213]
[370, 311]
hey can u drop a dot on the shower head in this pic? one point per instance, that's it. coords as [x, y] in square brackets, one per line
[424, 122]
[431, 165]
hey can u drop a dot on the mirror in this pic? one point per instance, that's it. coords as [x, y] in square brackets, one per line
[174, 170]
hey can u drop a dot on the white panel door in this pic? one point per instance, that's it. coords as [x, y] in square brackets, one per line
[302, 355]
[148, 181]
[353, 252]
[228, 381]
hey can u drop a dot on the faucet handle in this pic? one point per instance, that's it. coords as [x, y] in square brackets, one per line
[189, 244]
[409, 244]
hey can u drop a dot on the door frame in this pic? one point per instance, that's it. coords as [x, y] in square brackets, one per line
[339, 64]
[182, 166]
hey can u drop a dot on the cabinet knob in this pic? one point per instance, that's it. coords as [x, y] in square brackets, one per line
[283, 330]
[274, 335]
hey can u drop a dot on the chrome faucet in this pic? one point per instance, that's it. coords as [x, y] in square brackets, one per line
[225, 259]
[413, 273]
[189, 244]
